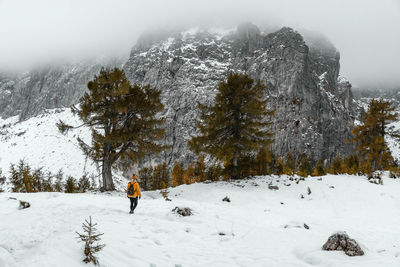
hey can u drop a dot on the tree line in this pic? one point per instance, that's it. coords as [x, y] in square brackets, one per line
[233, 138]
[24, 179]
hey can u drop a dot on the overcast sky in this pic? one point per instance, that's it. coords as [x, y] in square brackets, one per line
[32, 32]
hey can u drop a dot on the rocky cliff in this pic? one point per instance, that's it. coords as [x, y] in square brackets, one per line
[315, 109]
[30, 93]
[314, 106]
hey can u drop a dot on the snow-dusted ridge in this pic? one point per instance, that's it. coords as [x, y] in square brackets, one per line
[38, 142]
[259, 227]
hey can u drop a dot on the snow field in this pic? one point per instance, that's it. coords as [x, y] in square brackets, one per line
[259, 227]
[38, 142]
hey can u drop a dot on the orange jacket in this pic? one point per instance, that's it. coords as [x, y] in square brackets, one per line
[136, 189]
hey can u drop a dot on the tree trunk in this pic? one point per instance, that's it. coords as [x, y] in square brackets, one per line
[106, 172]
[235, 174]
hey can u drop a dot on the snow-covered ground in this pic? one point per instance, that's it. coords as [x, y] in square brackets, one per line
[259, 227]
[393, 143]
[38, 142]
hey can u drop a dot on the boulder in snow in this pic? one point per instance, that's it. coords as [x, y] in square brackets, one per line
[341, 241]
[23, 205]
[183, 211]
[226, 199]
[273, 187]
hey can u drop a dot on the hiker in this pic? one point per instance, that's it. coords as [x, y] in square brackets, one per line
[133, 192]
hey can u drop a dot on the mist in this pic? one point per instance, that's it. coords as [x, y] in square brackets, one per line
[40, 32]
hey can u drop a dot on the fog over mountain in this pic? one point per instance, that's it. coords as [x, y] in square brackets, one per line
[38, 32]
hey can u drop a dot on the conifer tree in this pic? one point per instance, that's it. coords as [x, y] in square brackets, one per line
[262, 161]
[319, 169]
[58, 184]
[279, 166]
[146, 178]
[237, 122]
[2, 180]
[336, 166]
[271, 161]
[122, 119]
[178, 173]
[160, 176]
[305, 168]
[351, 164]
[288, 168]
[214, 172]
[370, 135]
[21, 178]
[47, 183]
[84, 184]
[90, 237]
[71, 185]
[246, 166]
[189, 176]
[200, 170]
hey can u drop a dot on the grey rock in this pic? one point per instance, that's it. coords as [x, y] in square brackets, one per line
[273, 187]
[341, 241]
[183, 211]
[23, 205]
[226, 199]
[187, 67]
[315, 109]
[30, 93]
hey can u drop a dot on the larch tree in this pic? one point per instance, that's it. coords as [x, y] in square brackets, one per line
[122, 118]
[237, 124]
[370, 135]
[178, 173]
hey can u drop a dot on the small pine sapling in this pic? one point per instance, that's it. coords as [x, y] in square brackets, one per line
[2, 181]
[70, 185]
[84, 184]
[89, 237]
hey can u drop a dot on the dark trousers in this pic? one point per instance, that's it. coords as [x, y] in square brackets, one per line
[133, 203]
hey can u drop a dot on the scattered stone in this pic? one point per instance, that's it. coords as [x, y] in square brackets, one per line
[23, 205]
[294, 224]
[12, 198]
[183, 211]
[288, 184]
[341, 241]
[308, 190]
[273, 187]
[226, 199]
[376, 181]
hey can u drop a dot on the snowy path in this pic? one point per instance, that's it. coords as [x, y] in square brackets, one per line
[258, 230]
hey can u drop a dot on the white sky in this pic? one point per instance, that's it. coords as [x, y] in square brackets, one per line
[32, 32]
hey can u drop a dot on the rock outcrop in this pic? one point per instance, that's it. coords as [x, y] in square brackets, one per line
[315, 109]
[30, 93]
[342, 242]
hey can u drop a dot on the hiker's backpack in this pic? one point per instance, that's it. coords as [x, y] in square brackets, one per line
[131, 189]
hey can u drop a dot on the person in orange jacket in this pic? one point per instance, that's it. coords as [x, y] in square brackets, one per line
[133, 192]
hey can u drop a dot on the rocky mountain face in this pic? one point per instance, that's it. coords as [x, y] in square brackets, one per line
[30, 93]
[314, 107]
